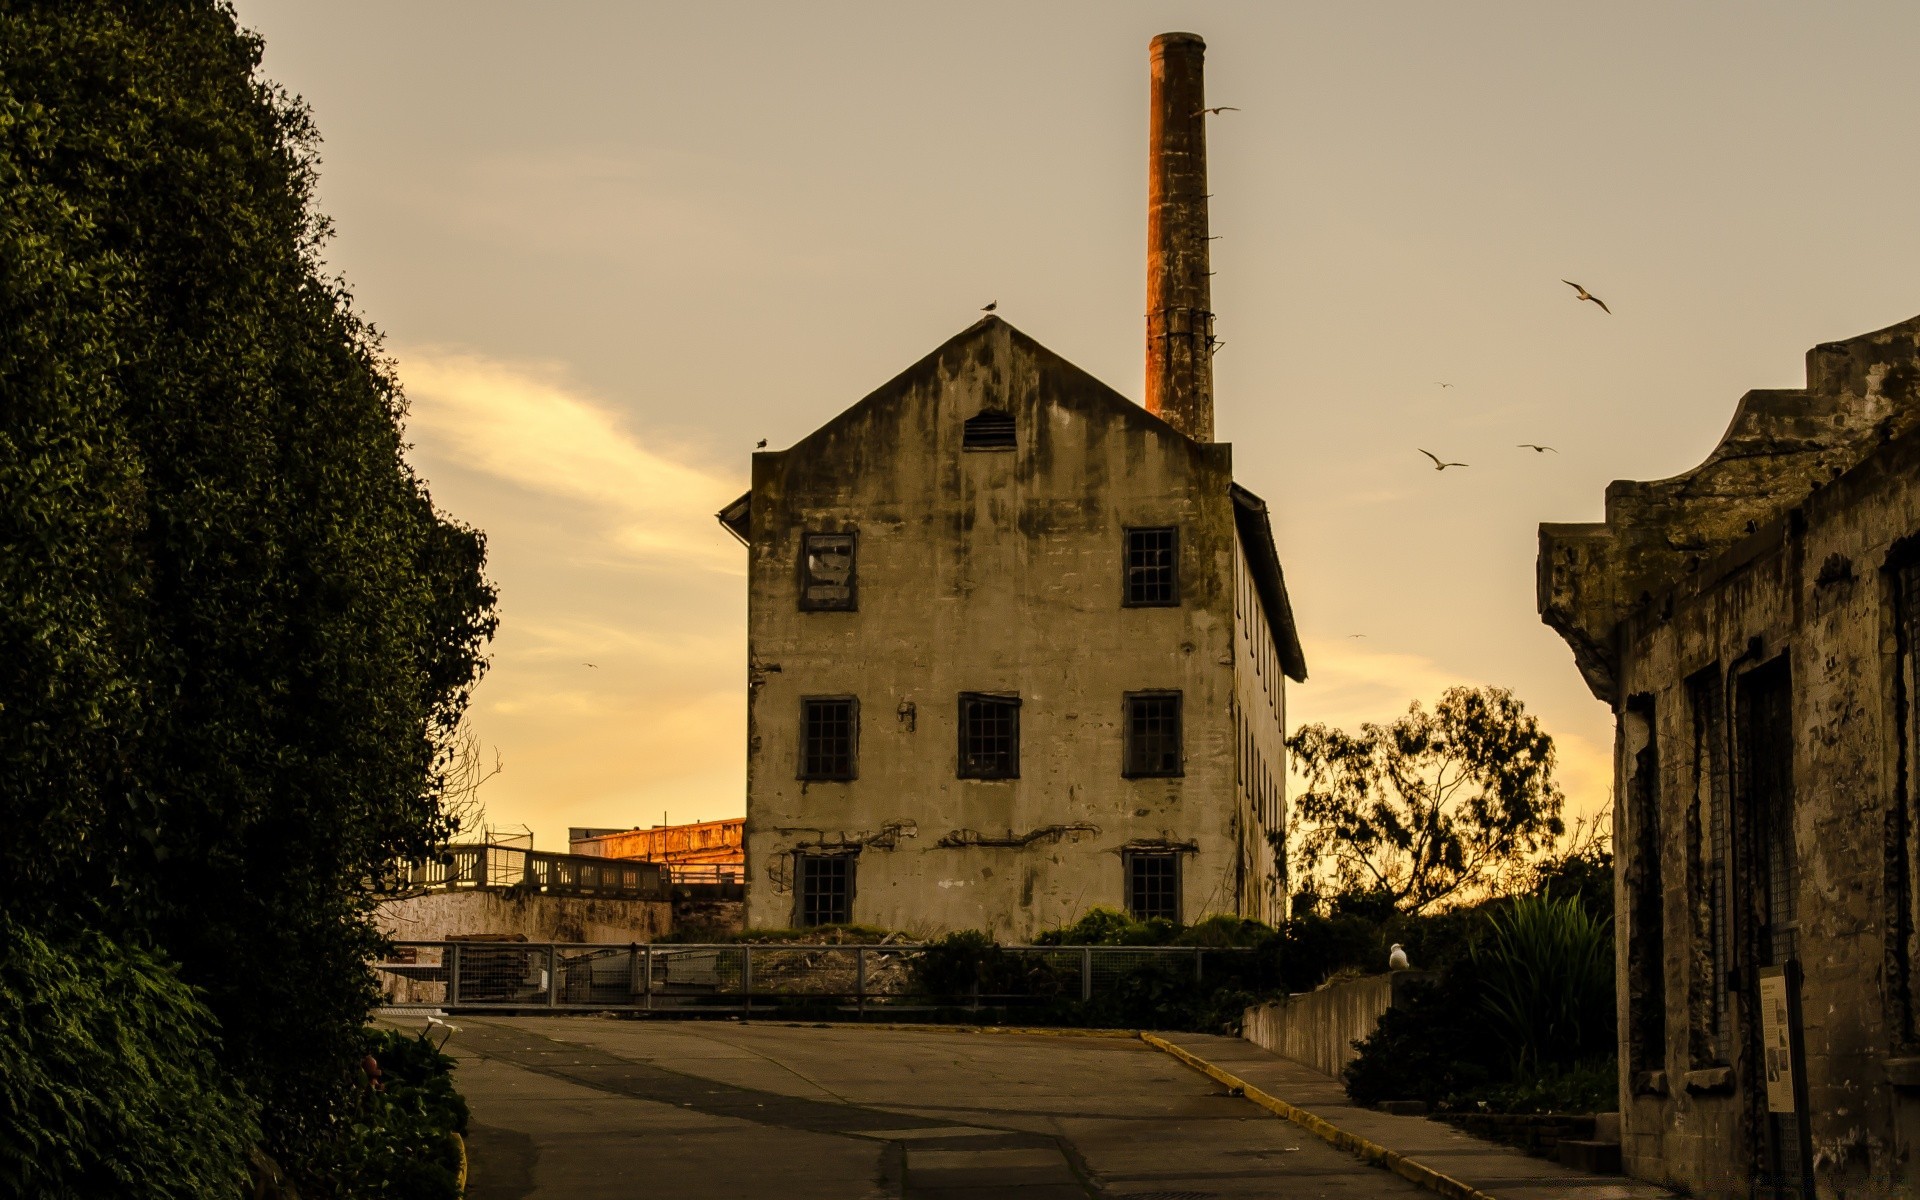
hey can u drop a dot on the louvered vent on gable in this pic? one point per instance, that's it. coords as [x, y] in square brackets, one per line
[990, 430]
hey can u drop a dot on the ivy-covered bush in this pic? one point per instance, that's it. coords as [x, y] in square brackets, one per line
[402, 1145]
[110, 1083]
[235, 634]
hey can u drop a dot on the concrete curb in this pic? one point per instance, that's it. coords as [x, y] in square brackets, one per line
[1027, 1030]
[1369, 1152]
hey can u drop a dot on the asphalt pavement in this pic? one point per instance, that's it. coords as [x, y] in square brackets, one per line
[590, 1107]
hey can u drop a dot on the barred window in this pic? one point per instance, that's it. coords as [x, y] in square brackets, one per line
[825, 887]
[990, 430]
[1153, 734]
[1153, 567]
[1153, 885]
[826, 572]
[829, 731]
[989, 736]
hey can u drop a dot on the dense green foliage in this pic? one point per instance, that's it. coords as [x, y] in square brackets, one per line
[1546, 972]
[402, 1146]
[111, 1084]
[1436, 807]
[1521, 1018]
[234, 633]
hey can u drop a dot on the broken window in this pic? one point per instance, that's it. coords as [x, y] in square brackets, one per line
[990, 430]
[825, 888]
[826, 572]
[1707, 826]
[1153, 884]
[1153, 734]
[829, 726]
[989, 736]
[1646, 912]
[1153, 566]
[1903, 930]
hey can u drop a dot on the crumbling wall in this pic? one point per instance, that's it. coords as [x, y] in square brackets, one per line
[437, 916]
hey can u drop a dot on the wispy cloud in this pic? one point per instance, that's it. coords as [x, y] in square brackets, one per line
[523, 427]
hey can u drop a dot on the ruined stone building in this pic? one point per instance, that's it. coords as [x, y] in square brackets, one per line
[1016, 645]
[1755, 625]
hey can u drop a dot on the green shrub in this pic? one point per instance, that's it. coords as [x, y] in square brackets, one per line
[400, 1142]
[1547, 975]
[1110, 927]
[1425, 1049]
[111, 1083]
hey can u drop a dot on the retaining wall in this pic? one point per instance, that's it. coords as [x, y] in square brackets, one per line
[538, 917]
[1319, 1028]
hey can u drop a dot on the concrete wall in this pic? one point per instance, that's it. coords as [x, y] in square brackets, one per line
[992, 572]
[1800, 513]
[1260, 722]
[1319, 1028]
[435, 916]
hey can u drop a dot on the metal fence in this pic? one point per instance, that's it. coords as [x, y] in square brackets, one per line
[495, 866]
[741, 978]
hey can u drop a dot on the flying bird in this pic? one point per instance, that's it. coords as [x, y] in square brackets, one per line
[1397, 959]
[761, 444]
[1533, 446]
[1581, 293]
[989, 306]
[1353, 635]
[1216, 111]
[1443, 384]
[586, 664]
[1437, 464]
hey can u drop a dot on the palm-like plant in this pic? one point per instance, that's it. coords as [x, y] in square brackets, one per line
[1546, 970]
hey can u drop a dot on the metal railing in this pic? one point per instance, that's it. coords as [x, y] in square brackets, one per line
[707, 873]
[495, 866]
[739, 978]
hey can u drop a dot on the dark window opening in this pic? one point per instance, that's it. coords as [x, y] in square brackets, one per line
[826, 572]
[829, 729]
[1646, 912]
[1707, 827]
[991, 430]
[989, 737]
[1903, 922]
[1153, 885]
[1153, 566]
[1153, 734]
[825, 888]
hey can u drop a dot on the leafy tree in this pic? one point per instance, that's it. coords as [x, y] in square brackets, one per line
[236, 638]
[1438, 806]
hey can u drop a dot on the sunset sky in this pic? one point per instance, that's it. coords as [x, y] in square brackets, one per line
[613, 245]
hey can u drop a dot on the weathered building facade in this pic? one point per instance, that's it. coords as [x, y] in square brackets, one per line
[1755, 625]
[1016, 644]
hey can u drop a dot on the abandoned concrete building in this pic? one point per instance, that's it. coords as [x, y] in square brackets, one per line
[1755, 625]
[1016, 645]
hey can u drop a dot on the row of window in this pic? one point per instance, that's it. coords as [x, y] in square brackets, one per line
[823, 886]
[989, 736]
[829, 580]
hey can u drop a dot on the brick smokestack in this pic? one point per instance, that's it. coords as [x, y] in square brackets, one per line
[1179, 308]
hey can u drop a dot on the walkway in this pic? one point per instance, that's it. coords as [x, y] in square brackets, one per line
[587, 1107]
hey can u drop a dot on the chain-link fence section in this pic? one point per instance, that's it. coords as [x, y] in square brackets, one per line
[479, 975]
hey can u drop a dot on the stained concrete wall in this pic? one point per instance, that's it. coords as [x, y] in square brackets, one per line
[1260, 772]
[1794, 570]
[1319, 1028]
[992, 572]
[436, 916]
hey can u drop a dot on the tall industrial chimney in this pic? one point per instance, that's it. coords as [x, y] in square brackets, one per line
[1179, 310]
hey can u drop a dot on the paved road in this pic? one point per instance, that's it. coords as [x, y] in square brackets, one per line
[586, 1107]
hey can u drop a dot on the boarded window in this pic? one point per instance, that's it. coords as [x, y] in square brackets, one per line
[826, 572]
[829, 729]
[991, 430]
[1153, 566]
[1153, 885]
[825, 888]
[1153, 734]
[989, 736]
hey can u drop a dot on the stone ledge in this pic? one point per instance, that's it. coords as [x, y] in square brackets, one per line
[1710, 1079]
[1650, 1083]
[1904, 1072]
